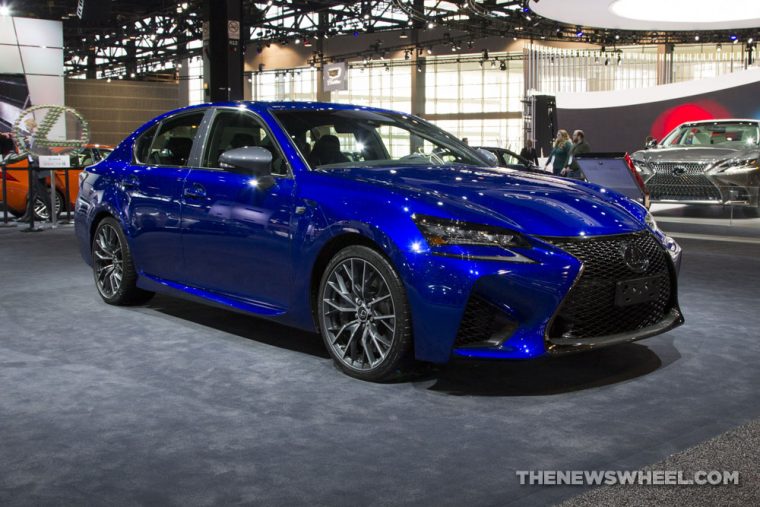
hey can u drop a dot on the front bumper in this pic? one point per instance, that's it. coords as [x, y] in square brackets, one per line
[698, 186]
[511, 311]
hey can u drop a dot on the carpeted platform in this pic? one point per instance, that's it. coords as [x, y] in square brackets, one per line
[181, 404]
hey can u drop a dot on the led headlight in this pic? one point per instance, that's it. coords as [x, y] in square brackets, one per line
[651, 223]
[738, 166]
[642, 167]
[440, 232]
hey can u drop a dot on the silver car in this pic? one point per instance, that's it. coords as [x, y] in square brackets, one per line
[713, 161]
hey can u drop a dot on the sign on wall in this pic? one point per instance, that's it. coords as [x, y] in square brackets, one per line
[335, 76]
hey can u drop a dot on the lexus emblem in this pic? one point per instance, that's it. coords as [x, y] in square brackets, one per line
[635, 258]
[679, 170]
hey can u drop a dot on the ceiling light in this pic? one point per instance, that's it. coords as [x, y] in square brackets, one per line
[686, 11]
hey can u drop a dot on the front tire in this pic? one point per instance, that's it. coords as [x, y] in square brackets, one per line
[363, 315]
[113, 268]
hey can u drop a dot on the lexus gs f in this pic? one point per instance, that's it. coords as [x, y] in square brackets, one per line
[388, 236]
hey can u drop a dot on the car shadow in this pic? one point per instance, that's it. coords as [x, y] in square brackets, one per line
[538, 377]
[549, 375]
[242, 325]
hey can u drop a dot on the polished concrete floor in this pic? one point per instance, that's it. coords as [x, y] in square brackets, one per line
[176, 403]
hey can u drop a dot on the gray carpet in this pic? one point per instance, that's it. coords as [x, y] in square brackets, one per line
[181, 404]
[734, 451]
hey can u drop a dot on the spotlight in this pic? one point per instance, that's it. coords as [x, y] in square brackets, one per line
[503, 65]
[403, 35]
[720, 47]
[406, 54]
[431, 25]
[5, 10]
[430, 51]
[419, 67]
[696, 38]
[297, 41]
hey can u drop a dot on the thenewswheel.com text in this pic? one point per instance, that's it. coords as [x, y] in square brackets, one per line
[626, 477]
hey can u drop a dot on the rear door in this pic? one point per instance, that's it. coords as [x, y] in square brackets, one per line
[153, 184]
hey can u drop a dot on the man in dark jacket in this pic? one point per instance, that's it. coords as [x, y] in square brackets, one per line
[529, 152]
[580, 146]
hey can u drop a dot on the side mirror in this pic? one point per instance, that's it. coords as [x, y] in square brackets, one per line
[650, 144]
[488, 156]
[256, 159]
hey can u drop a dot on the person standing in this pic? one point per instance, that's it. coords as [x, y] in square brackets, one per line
[529, 153]
[580, 146]
[560, 152]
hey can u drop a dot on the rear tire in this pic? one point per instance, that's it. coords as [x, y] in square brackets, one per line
[113, 267]
[364, 316]
[41, 211]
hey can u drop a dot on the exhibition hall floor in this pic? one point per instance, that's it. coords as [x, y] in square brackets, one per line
[176, 403]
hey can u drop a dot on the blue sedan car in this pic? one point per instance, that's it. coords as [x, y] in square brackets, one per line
[388, 236]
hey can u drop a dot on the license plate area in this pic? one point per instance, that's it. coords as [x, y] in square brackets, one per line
[637, 291]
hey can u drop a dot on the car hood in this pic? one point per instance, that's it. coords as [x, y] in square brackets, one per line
[689, 154]
[529, 203]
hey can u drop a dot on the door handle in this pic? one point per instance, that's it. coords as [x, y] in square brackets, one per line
[195, 191]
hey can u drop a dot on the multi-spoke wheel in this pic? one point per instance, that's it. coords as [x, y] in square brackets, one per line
[363, 314]
[112, 266]
[41, 208]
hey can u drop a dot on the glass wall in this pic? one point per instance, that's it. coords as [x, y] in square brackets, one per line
[457, 85]
[383, 85]
[294, 84]
[556, 70]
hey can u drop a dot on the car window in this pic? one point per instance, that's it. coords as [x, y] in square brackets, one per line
[345, 138]
[238, 129]
[142, 145]
[174, 141]
[712, 134]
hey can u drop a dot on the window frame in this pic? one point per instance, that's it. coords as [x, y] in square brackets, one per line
[215, 112]
[159, 127]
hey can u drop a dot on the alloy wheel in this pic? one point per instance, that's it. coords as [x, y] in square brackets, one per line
[359, 314]
[107, 257]
[41, 210]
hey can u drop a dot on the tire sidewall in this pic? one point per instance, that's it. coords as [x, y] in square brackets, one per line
[401, 342]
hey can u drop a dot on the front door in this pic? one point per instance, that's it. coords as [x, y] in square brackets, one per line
[237, 236]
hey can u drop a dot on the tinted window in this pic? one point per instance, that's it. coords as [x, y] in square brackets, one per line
[142, 146]
[174, 142]
[346, 138]
[238, 129]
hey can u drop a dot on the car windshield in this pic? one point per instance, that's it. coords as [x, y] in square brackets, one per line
[331, 139]
[707, 135]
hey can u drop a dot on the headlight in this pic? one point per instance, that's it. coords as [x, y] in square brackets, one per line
[440, 232]
[738, 166]
[642, 167]
[649, 220]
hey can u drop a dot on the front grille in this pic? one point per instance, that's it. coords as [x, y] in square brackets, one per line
[589, 309]
[684, 182]
[482, 321]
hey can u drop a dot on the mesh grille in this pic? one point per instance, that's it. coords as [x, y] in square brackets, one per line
[481, 320]
[589, 310]
[691, 184]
